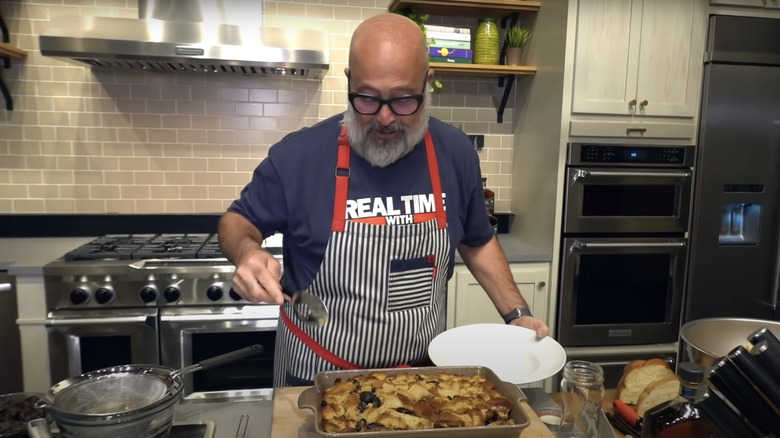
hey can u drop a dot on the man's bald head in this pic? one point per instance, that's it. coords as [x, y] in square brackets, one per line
[388, 41]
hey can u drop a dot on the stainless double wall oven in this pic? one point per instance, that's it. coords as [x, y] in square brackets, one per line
[624, 244]
[156, 299]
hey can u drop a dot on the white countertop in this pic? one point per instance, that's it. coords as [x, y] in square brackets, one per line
[519, 251]
[27, 255]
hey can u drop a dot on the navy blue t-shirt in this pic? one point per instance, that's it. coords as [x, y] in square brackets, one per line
[292, 192]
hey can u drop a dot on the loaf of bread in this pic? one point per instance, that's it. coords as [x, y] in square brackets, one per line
[656, 393]
[638, 374]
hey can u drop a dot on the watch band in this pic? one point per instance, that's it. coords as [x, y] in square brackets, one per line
[515, 313]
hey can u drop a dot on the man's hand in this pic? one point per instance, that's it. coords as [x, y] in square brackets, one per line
[257, 277]
[257, 272]
[532, 323]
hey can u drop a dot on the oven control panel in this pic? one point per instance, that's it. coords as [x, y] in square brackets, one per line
[626, 155]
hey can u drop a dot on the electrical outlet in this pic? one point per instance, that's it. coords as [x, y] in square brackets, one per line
[478, 140]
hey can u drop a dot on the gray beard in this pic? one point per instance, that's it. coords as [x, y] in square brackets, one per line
[382, 153]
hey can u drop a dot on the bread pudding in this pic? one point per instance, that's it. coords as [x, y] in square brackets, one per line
[379, 401]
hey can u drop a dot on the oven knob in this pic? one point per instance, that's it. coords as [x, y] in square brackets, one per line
[171, 294]
[104, 295]
[148, 294]
[79, 296]
[214, 293]
[233, 294]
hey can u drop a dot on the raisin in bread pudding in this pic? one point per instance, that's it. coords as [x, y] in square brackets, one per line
[405, 401]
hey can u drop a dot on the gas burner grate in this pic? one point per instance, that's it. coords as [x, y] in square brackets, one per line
[210, 249]
[110, 247]
[167, 246]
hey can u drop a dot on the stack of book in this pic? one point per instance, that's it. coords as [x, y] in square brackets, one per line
[449, 44]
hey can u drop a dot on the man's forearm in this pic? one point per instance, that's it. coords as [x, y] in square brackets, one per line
[489, 266]
[237, 236]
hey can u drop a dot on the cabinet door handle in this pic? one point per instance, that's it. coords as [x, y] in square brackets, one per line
[635, 130]
[643, 103]
[632, 103]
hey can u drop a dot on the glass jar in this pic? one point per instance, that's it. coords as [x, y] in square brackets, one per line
[486, 42]
[582, 394]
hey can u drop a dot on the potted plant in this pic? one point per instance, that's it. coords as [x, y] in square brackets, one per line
[516, 38]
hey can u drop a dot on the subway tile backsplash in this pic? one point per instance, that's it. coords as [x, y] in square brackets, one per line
[83, 141]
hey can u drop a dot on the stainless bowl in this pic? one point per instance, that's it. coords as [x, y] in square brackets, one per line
[152, 421]
[706, 340]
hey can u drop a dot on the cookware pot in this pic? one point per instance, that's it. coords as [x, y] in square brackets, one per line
[128, 401]
[706, 340]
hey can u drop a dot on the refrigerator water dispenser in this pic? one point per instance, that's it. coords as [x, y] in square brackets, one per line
[739, 224]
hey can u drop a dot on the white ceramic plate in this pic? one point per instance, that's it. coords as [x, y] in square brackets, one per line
[513, 353]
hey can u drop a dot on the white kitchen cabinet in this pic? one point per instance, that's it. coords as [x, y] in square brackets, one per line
[633, 128]
[638, 57]
[468, 303]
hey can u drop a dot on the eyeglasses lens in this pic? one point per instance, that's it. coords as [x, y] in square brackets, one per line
[371, 105]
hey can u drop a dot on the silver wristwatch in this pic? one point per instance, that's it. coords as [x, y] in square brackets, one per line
[517, 312]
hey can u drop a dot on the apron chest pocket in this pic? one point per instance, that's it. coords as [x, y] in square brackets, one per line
[410, 283]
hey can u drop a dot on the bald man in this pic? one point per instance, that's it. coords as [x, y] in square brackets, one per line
[372, 204]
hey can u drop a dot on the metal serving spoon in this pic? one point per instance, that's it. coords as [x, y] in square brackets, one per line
[309, 308]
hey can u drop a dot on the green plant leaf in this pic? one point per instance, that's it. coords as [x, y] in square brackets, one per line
[517, 36]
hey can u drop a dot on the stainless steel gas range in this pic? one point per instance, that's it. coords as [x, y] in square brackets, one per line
[156, 299]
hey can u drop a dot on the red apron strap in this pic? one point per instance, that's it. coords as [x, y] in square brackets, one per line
[433, 170]
[318, 349]
[342, 183]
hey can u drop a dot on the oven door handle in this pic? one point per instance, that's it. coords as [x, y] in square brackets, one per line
[217, 317]
[110, 320]
[577, 245]
[617, 363]
[582, 174]
[5, 287]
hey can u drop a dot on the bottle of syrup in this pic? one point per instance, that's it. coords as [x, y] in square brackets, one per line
[490, 197]
[680, 418]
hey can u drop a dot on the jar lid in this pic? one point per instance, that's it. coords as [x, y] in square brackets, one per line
[690, 371]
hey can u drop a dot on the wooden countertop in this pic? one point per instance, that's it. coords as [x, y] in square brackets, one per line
[289, 421]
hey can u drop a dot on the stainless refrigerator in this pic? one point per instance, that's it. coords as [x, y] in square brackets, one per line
[734, 265]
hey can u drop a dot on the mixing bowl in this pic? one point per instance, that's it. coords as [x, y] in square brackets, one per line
[706, 340]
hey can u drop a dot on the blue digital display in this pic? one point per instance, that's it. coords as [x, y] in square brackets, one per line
[634, 154]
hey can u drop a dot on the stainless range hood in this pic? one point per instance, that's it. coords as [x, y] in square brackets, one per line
[213, 36]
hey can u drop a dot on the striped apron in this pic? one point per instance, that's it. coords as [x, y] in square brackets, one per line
[385, 287]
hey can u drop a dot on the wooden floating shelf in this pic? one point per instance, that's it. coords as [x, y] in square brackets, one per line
[469, 8]
[9, 51]
[482, 69]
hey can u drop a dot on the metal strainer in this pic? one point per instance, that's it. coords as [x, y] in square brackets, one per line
[127, 388]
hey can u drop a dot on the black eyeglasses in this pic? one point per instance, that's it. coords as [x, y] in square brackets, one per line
[369, 104]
